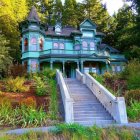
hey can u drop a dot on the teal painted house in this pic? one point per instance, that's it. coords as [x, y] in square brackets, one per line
[67, 48]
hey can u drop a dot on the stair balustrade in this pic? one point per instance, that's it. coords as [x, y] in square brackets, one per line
[114, 105]
[67, 100]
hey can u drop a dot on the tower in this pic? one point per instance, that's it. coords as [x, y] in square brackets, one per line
[33, 33]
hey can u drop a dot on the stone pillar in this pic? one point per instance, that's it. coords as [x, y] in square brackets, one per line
[82, 68]
[63, 66]
[51, 65]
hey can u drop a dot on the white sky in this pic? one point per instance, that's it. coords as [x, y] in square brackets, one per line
[112, 5]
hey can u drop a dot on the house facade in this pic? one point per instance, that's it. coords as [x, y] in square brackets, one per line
[67, 48]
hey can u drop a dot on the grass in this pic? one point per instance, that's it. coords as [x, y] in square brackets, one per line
[78, 132]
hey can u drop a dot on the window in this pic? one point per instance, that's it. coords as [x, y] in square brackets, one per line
[55, 46]
[85, 45]
[41, 44]
[33, 41]
[26, 44]
[77, 47]
[92, 46]
[61, 46]
[118, 68]
[33, 65]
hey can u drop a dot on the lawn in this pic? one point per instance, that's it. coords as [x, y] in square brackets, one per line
[78, 132]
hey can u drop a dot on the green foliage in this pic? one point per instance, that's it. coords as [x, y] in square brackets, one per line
[132, 74]
[16, 85]
[132, 95]
[49, 73]
[5, 59]
[41, 88]
[53, 109]
[11, 14]
[133, 111]
[99, 78]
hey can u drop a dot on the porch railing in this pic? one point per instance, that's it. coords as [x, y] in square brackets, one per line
[114, 105]
[67, 100]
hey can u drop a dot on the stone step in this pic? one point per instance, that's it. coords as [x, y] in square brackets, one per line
[92, 118]
[91, 115]
[99, 123]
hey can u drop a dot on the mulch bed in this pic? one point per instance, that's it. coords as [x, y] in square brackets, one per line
[16, 98]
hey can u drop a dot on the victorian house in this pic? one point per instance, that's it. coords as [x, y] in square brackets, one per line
[67, 48]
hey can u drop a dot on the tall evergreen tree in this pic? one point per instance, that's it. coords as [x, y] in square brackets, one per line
[69, 14]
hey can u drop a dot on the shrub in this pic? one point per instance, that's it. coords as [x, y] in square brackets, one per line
[49, 73]
[18, 70]
[41, 88]
[132, 95]
[29, 101]
[107, 75]
[133, 111]
[132, 74]
[16, 85]
[53, 109]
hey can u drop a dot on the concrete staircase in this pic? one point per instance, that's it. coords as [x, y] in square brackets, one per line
[87, 108]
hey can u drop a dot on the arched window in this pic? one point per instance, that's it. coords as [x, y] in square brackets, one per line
[26, 44]
[41, 44]
[61, 46]
[55, 45]
[33, 41]
[92, 46]
[85, 45]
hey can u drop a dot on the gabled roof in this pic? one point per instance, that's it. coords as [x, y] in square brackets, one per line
[33, 16]
[88, 23]
[111, 49]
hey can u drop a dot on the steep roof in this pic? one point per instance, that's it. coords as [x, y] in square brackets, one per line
[33, 16]
[66, 31]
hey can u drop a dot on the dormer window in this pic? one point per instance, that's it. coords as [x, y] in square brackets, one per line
[57, 29]
[85, 45]
[26, 44]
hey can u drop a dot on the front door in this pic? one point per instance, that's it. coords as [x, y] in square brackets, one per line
[68, 70]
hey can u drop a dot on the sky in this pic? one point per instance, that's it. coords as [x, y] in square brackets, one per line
[112, 5]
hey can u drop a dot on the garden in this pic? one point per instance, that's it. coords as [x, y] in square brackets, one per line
[28, 100]
[126, 84]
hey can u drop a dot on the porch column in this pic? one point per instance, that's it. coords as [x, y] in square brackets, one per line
[63, 66]
[107, 67]
[78, 65]
[82, 70]
[51, 65]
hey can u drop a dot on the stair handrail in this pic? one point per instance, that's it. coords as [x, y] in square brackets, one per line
[80, 76]
[67, 100]
[114, 105]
